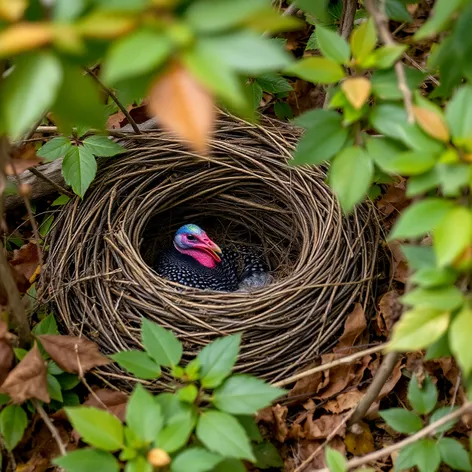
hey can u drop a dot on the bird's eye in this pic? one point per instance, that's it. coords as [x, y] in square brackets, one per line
[190, 237]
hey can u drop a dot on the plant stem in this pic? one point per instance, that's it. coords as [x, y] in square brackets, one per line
[53, 430]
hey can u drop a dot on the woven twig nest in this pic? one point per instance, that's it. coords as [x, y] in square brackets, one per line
[99, 273]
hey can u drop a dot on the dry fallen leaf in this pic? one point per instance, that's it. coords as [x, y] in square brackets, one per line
[68, 351]
[399, 262]
[26, 260]
[432, 123]
[359, 440]
[390, 310]
[28, 379]
[323, 426]
[280, 416]
[354, 326]
[357, 90]
[6, 353]
[343, 402]
[183, 106]
[23, 158]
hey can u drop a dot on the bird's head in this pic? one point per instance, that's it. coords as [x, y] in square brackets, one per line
[193, 241]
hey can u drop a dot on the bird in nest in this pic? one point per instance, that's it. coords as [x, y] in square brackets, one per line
[196, 261]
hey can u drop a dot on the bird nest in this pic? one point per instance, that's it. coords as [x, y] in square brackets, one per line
[99, 274]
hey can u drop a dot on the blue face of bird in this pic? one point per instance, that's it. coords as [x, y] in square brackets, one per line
[192, 240]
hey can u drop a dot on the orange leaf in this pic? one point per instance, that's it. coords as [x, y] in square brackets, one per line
[28, 379]
[357, 90]
[432, 123]
[359, 441]
[183, 106]
[26, 260]
[73, 354]
[24, 37]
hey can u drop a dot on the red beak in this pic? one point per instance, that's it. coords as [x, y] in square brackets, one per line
[207, 245]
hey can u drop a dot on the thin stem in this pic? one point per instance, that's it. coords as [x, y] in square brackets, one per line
[113, 96]
[60, 189]
[53, 430]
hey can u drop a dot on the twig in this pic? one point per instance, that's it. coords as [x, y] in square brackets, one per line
[111, 132]
[60, 189]
[429, 430]
[329, 365]
[381, 23]
[53, 430]
[380, 378]
[113, 96]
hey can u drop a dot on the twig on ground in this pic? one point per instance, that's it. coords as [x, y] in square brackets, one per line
[113, 96]
[53, 430]
[429, 430]
[60, 189]
[329, 365]
[381, 23]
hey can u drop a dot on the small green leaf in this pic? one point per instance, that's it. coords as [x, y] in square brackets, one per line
[459, 115]
[4, 399]
[86, 460]
[217, 360]
[427, 456]
[29, 91]
[102, 146]
[423, 399]
[267, 456]
[250, 426]
[135, 54]
[332, 45]
[335, 461]
[170, 405]
[195, 459]
[273, 83]
[419, 257]
[55, 148]
[138, 464]
[97, 427]
[54, 388]
[384, 57]
[396, 10]
[418, 184]
[46, 326]
[318, 9]
[418, 329]
[222, 433]
[454, 454]
[188, 394]
[433, 277]
[61, 200]
[385, 85]
[445, 298]
[452, 235]
[177, 431]
[230, 465]
[244, 395]
[161, 344]
[406, 458]
[138, 363]
[459, 341]
[421, 218]
[68, 381]
[440, 413]
[255, 92]
[453, 178]
[350, 176]
[192, 370]
[363, 40]
[13, 422]
[442, 12]
[440, 348]
[46, 225]
[401, 420]
[318, 70]
[143, 415]
[79, 168]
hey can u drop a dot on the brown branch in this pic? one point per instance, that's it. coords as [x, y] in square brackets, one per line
[60, 189]
[53, 430]
[428, 431]
[381, 23]
[113, 96]
[119, 133]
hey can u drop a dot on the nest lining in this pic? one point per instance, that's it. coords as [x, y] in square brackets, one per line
[99, 274]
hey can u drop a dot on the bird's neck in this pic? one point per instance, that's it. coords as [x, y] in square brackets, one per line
[200, 256]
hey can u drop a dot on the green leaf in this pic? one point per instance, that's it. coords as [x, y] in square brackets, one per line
[421, 218]
[4, 399]
[385, 57]
[245, 395]
[418, 329]
[61, 200]
[13, 422]
[439, 348]
[188, 394]
[419, 257]
[423, 399]
[222, 433]
[247, 52]
[135, 54]
[170, 405]
[46, 225]
[102, 146]
[143, 414]
[211, 16]
[350, 176]
[97, 427]
[138, 363]
[453, 235]
[250, 426]
[47, 325]
[70, 399]
[217, 360]
[335, 461]
[177, 431]
[453, 178]
[273, 83]
[267, 456]
[401, 420]
[318, 70]
[363, 40]
[445, 298]
[55, 148]
[392, 121]
[442, 12]
[86, 460]
[29, 91]
[406, 458]
[256, 94]
[385, 85]
[79, 168]
[195, 459]
[332, 45]
[459, 115]
[396, 10]
[427, 456]
[54, 388]
[161, 344]
[454, 454]
[230, 465]
[418, 184]
[68, 381]
[283, 110]
[440, 413]
[138, 464]
[459, 341]
[433, 277]
[318, 9]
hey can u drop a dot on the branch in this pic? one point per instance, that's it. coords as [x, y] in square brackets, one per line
[60, 189]
[428, 431]
[53, 430]
[381, 23]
